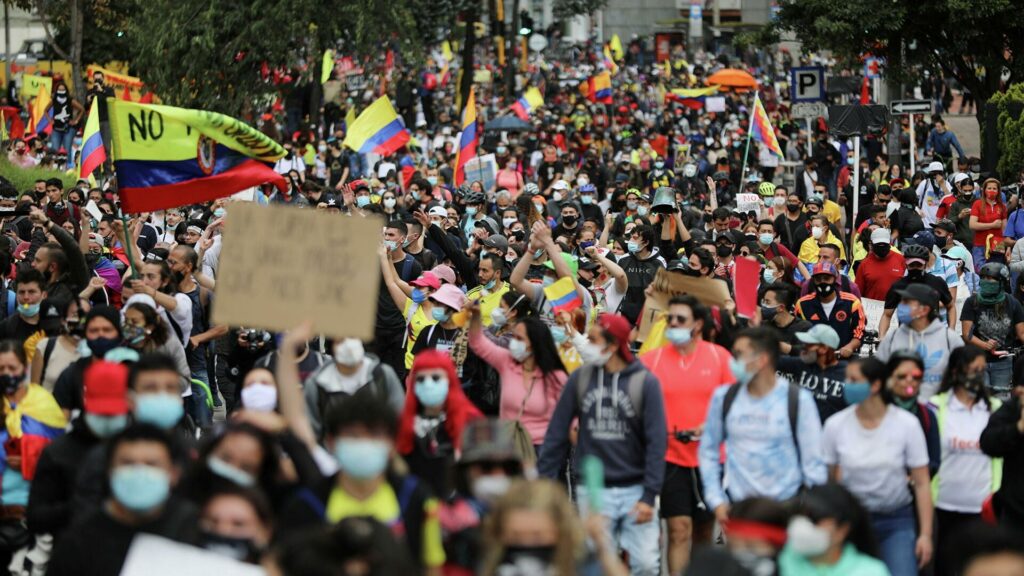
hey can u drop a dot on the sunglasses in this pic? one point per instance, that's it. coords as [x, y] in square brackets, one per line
[671, 318]
[912, 376]
[435, 379]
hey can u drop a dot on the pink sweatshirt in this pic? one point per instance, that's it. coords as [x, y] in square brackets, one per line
[542, 400]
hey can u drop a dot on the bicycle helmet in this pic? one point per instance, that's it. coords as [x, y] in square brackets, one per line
[474, 197]
[463, 190]
[994, 270]
[766, 189]
[916, 251]
[531, 189]
[587, 188]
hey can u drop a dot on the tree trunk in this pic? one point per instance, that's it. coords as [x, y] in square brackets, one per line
[468, 45]
[510, 69]
[77, 27]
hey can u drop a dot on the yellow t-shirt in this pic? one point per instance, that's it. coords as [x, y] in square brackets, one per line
[831, 211]
[571, 358]
[382, 506]
[488, 300]
[419, 321]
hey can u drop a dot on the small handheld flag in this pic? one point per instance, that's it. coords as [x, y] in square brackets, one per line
[691, 98]
[167, 157]
[528, 102]
[761, 128]
[468, 139]
[327, 66]
[600, 88]
[93, 152]
[563, 295]
[41, 118]
[378, 130]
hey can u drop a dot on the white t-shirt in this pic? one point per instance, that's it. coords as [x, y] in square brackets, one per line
[965, 476]
[828, 306]
[182, 315]
[874, 463]
[612, 296]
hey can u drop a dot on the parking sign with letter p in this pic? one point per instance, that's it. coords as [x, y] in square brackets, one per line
[807, 84]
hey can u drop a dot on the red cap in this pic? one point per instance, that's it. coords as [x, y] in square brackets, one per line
[105, 389]
[619, 328]
[427, 280]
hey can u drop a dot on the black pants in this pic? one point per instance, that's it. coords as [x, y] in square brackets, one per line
[222, 380]
[388, 347]
[950, 526]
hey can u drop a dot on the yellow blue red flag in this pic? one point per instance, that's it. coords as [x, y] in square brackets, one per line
[600, 88]
[167, 157]
[93, 153]
[528, 102]
[469, 139]
[41, 118]
[378, 130]
[562, 295]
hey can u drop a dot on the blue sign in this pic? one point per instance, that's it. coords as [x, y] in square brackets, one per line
[696, 12]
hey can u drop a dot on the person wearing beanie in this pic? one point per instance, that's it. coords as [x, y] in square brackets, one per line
[621, 416]
[102, 333]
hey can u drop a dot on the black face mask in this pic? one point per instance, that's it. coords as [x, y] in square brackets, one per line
[881, 250]
[9, 383]
[793, 208]
[569, 220]
[915, 275]
[723, 251]
[824, 290]
[943, 241]
[695, 272]
[241, 549]
[92, 259]
[768, 313]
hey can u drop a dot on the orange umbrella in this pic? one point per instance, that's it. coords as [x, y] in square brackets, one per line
[732, 79]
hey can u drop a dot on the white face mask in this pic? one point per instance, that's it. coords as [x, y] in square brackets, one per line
[389, 202]
[806, 538]
[591, 353]
[349, 352]
[259, 397]
[488, 489]
[817, 231]
[518, 350]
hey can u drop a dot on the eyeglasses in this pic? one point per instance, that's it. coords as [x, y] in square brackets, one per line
[676, 318]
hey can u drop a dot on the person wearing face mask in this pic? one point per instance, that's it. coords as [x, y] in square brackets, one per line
[792, 224]
[686, 405]
[776, 314]
[818, 368]
[921, 331]
[916, 258]
[659, 175]
[101, 334]
[881, 268]
[449, 334]
[755, 535]
[830, 535]
[361, 434]
[145, 331]
[821, 234]
[237, 523]
[509, 177]
[994, 321]
[142, 470]
[431, 424]
[30, 290]
[492, 287]
[21, 156]
[869, 448]
[390, 327]
[771, 248]
[354, 372]
[770, 428]
[50, 504]
[569, 224]
[641, 266]
[966, 477]
[55, 352]
[291, 161]
[828, 304]
[513, 306]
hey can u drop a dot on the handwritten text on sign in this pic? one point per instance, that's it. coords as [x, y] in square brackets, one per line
[282, 265]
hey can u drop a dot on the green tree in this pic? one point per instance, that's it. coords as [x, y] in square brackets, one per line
[969, 40]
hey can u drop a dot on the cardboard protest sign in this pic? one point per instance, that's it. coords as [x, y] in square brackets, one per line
[710, 291]
[483, 168]
[746, 202]
[156, 556]
[873, 310]
[267, 281]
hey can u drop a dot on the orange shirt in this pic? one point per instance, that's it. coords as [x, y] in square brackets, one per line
[687, 383]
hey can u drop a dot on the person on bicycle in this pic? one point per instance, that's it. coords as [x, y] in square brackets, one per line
[994, 321]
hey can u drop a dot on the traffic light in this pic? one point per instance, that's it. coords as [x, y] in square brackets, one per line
[525, 23]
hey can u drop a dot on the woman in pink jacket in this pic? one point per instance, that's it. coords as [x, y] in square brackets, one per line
[531, 372]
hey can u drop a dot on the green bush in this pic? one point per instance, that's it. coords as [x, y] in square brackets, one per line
[1010, 131]
[25, 178]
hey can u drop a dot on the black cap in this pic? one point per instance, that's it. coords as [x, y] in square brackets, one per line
[680, 265]
[922, 293]
[946, 225]
[587, 264]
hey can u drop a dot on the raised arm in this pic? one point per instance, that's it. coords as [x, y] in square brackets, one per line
[614, 270]
[289, 387]
[387, 270]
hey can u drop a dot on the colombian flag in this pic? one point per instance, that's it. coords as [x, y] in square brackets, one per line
[167, 157]
[377, 130]
[761, 128]
[691, 98]
[29, 427]
[600, 88]
[563, 295]
[93, 152]
[528, 102]
[609, 62]
[41, 118]
[469, 139]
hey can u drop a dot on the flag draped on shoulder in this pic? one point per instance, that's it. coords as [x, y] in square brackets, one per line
[378, 130]
[167, 157]
[600, 88]
[93, 153]
[528, 102]
[468, 139]
[761, 128]
[41, 118]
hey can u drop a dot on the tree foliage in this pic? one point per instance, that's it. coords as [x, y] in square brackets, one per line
[1010, 131]
[970, 40]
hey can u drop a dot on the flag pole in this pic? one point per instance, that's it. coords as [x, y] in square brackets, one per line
[746, 150]
[128, 240]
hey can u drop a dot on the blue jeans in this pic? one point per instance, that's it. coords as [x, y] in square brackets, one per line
[897, 534]
[641, 541]
[196, 405]
[978, 253]
[64, 139]
[1000, 372]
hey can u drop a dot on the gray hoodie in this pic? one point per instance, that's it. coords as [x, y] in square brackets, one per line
[933, 344]
[327, 381]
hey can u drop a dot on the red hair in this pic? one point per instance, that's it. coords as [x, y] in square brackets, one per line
[457, 408]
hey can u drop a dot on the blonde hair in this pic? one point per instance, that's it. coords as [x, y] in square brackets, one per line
[538, 496]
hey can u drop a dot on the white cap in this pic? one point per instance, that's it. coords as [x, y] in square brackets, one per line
[560, 185]
[960, 177]
[438, 211]
[934, 167]
[881, 236]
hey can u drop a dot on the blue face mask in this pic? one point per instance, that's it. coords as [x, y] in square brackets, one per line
[633, 247]
[768, 276]
[856, 392]
[418, 296]
[362, 459]
[558, 333]
[903, 314]
[391, 245]
[432, 180]
[362, 201]
[99, 347]
[160, 410]
[679, 336]
[739, 370]
[219, 213]
[415, 194]
[28, 310]
[105, 426]
[470, 210]
[490, 285]
[765, 238]
[431, 391]
[440, 314]
[229, 472]
[642, 211]
[133, 334]
[140, 488]
[587, 199]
